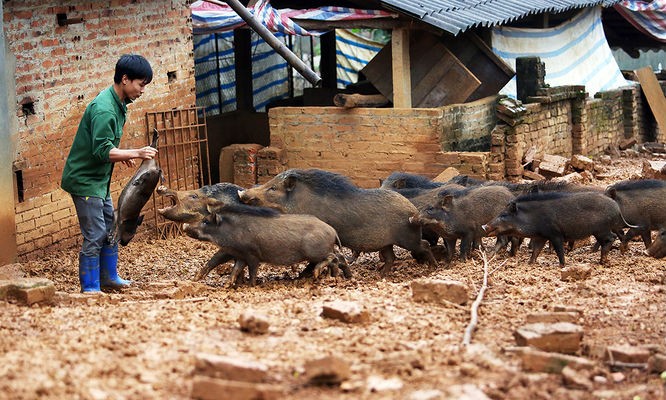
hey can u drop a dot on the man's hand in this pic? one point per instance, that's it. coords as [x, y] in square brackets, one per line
[129, 163]
[147, 153]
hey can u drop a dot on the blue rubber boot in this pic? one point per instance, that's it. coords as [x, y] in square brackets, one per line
[89, 274]
[108, 262]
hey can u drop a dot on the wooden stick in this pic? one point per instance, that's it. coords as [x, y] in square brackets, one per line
[467, 337]
[188, 300]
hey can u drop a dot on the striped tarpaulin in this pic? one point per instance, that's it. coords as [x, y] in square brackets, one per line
[647, 17]
[208, 17]
[352, 53]
[574, 53]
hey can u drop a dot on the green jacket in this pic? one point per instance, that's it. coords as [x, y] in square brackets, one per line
[87, 169]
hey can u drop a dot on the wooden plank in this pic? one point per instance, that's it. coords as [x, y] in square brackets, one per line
[475, 54]
[448, 82]
[402, 83]
[654, 95]
[433, 85]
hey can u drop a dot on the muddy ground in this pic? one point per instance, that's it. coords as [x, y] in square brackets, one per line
[142, 343]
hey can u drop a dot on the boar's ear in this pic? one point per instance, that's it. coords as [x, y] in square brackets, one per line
[289, 183]
[610, 192]
[446, 201]
[214, 218]
[139, 220]
[512, 207]
[214, 205]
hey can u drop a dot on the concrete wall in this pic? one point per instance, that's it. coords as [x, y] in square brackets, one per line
[7, 150]
[59, 70]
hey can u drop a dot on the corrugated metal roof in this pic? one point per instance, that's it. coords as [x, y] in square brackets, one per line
[458, 16]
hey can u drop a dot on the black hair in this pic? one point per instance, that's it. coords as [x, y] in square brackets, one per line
[322, 182]
[135, 67]
[639, 184]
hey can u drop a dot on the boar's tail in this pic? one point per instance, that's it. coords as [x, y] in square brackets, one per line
[337, 240]
[627, 223]
[415, 220]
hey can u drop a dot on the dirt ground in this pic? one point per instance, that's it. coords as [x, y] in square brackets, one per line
[142, 343]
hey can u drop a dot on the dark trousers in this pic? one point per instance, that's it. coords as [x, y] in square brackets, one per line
[96, 222]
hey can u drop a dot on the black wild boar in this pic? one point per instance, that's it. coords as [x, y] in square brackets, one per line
[252, 235]
[658, 248]
[558, 217]
[366, 219]
[461, 215]
[643, 203]
[422, 196]
[408, 184]
[135, 195]
[192, 206]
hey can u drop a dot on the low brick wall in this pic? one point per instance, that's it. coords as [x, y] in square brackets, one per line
[368, 144]
[467, 127]
[563, 122]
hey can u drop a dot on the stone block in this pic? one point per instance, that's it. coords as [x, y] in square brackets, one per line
[534, 360]
[577, 380]
[27, 291]
[562, 337]
[577, 272]
[207, 388]
[552, 165]
[329, 370]
[345, 311]
[552, 317]
[216, 366]
[582, 163]
[446, 175]
[627, 354]
[252, 322]
[437, 291]
[654, 169]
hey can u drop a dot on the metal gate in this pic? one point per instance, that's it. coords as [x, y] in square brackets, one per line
[182, 155]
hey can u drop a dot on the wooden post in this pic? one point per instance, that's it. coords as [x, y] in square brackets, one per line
[243, 57]
[402, 82]
[272, 41]
[327, 63]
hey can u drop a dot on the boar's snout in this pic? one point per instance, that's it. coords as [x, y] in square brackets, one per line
[247, 198]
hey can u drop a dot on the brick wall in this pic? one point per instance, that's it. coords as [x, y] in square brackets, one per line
[59, 70]
[366, 144]
[563, 122]
[605, 122]
[467, 127]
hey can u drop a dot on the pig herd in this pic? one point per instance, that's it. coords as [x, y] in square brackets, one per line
[309, 215]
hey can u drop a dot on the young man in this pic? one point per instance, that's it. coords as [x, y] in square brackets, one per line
[89, 165]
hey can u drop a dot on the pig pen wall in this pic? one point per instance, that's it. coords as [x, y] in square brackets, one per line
[563, 121]
[368, 144]
[58, 71]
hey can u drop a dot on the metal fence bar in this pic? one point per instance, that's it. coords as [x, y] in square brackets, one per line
[183, 169]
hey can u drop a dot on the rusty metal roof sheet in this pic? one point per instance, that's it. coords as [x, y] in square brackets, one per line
[455, 16]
